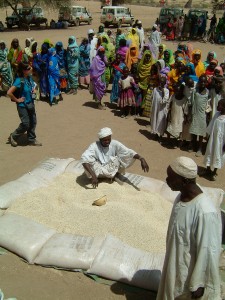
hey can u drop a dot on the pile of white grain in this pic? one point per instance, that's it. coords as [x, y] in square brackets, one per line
[136, 217]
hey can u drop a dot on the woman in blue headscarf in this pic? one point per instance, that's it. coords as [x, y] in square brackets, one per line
[189, 71]
[117, 67]
[61, 57]
[72, 58]
[53, 77]
[210, 56]
[84, 63]
[40, 65]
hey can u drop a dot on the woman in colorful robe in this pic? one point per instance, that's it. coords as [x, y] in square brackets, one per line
[6, 78]
[131, 56]
[97, 71]
[15, 55]
[196, 60]
[72, 57]
[84, 62]
[61, 57]
[53, 77]
[144, 69]
[109, 53]
[117, 66]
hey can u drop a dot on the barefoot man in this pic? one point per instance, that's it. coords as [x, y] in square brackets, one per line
[106, 158]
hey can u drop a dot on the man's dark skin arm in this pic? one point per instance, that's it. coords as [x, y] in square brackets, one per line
[144, 164]
[94, 179]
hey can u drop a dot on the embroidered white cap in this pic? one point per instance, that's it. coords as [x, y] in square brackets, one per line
[185, 167]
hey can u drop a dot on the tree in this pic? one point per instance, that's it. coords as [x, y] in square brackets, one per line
[15, 4]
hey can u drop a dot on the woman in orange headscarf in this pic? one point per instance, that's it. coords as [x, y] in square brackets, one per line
[196, 60]
[133, 37]
[131, 56]
[176, 73]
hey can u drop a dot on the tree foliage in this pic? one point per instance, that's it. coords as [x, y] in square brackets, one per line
[14, 4]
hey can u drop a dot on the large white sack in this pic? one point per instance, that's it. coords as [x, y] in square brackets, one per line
[75, 167]
[157, 186]
[69, 251]
[23, 236]
[118, 261]
[44, 173]
[215, 194]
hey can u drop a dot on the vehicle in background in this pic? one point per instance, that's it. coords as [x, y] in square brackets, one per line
[197, 13]
[166, 13]
[26, 16]
[199, 18]
[74, 15]
[116, 16]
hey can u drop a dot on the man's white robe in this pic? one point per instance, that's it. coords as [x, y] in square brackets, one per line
[192, 251]
[215, 155]
[107, 161]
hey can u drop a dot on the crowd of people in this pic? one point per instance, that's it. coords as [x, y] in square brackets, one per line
[179, 91]
[194, 28]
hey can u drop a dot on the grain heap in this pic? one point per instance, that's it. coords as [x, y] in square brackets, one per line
[138, 218]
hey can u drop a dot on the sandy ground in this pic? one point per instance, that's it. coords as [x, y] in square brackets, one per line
[65, 131]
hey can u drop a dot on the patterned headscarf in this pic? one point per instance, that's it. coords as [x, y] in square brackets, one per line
[74, 43]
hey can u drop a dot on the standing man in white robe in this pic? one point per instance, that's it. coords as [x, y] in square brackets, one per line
[141, 34]
[106, 158]
[92, 40]
[193, 245]
[155, 41]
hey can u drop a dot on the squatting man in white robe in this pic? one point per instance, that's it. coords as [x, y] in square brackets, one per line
[106, 158]
[193, 245]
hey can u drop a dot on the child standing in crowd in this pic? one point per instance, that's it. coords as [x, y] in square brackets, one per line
[189, 88]
[138, 96]
[117, 67]
[153, 82]
[215, 151]
[199, 101]
[127, 98]
[160, 99]
[215, 94]
[176, 114]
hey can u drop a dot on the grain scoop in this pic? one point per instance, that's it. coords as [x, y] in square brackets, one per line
[100, 201]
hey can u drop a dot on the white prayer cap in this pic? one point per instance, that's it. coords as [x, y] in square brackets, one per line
[155, 26]
[106, 131]
[90, 31]
[185, 167]
[139, 22]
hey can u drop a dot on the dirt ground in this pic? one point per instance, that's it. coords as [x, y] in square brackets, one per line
[65, 131]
